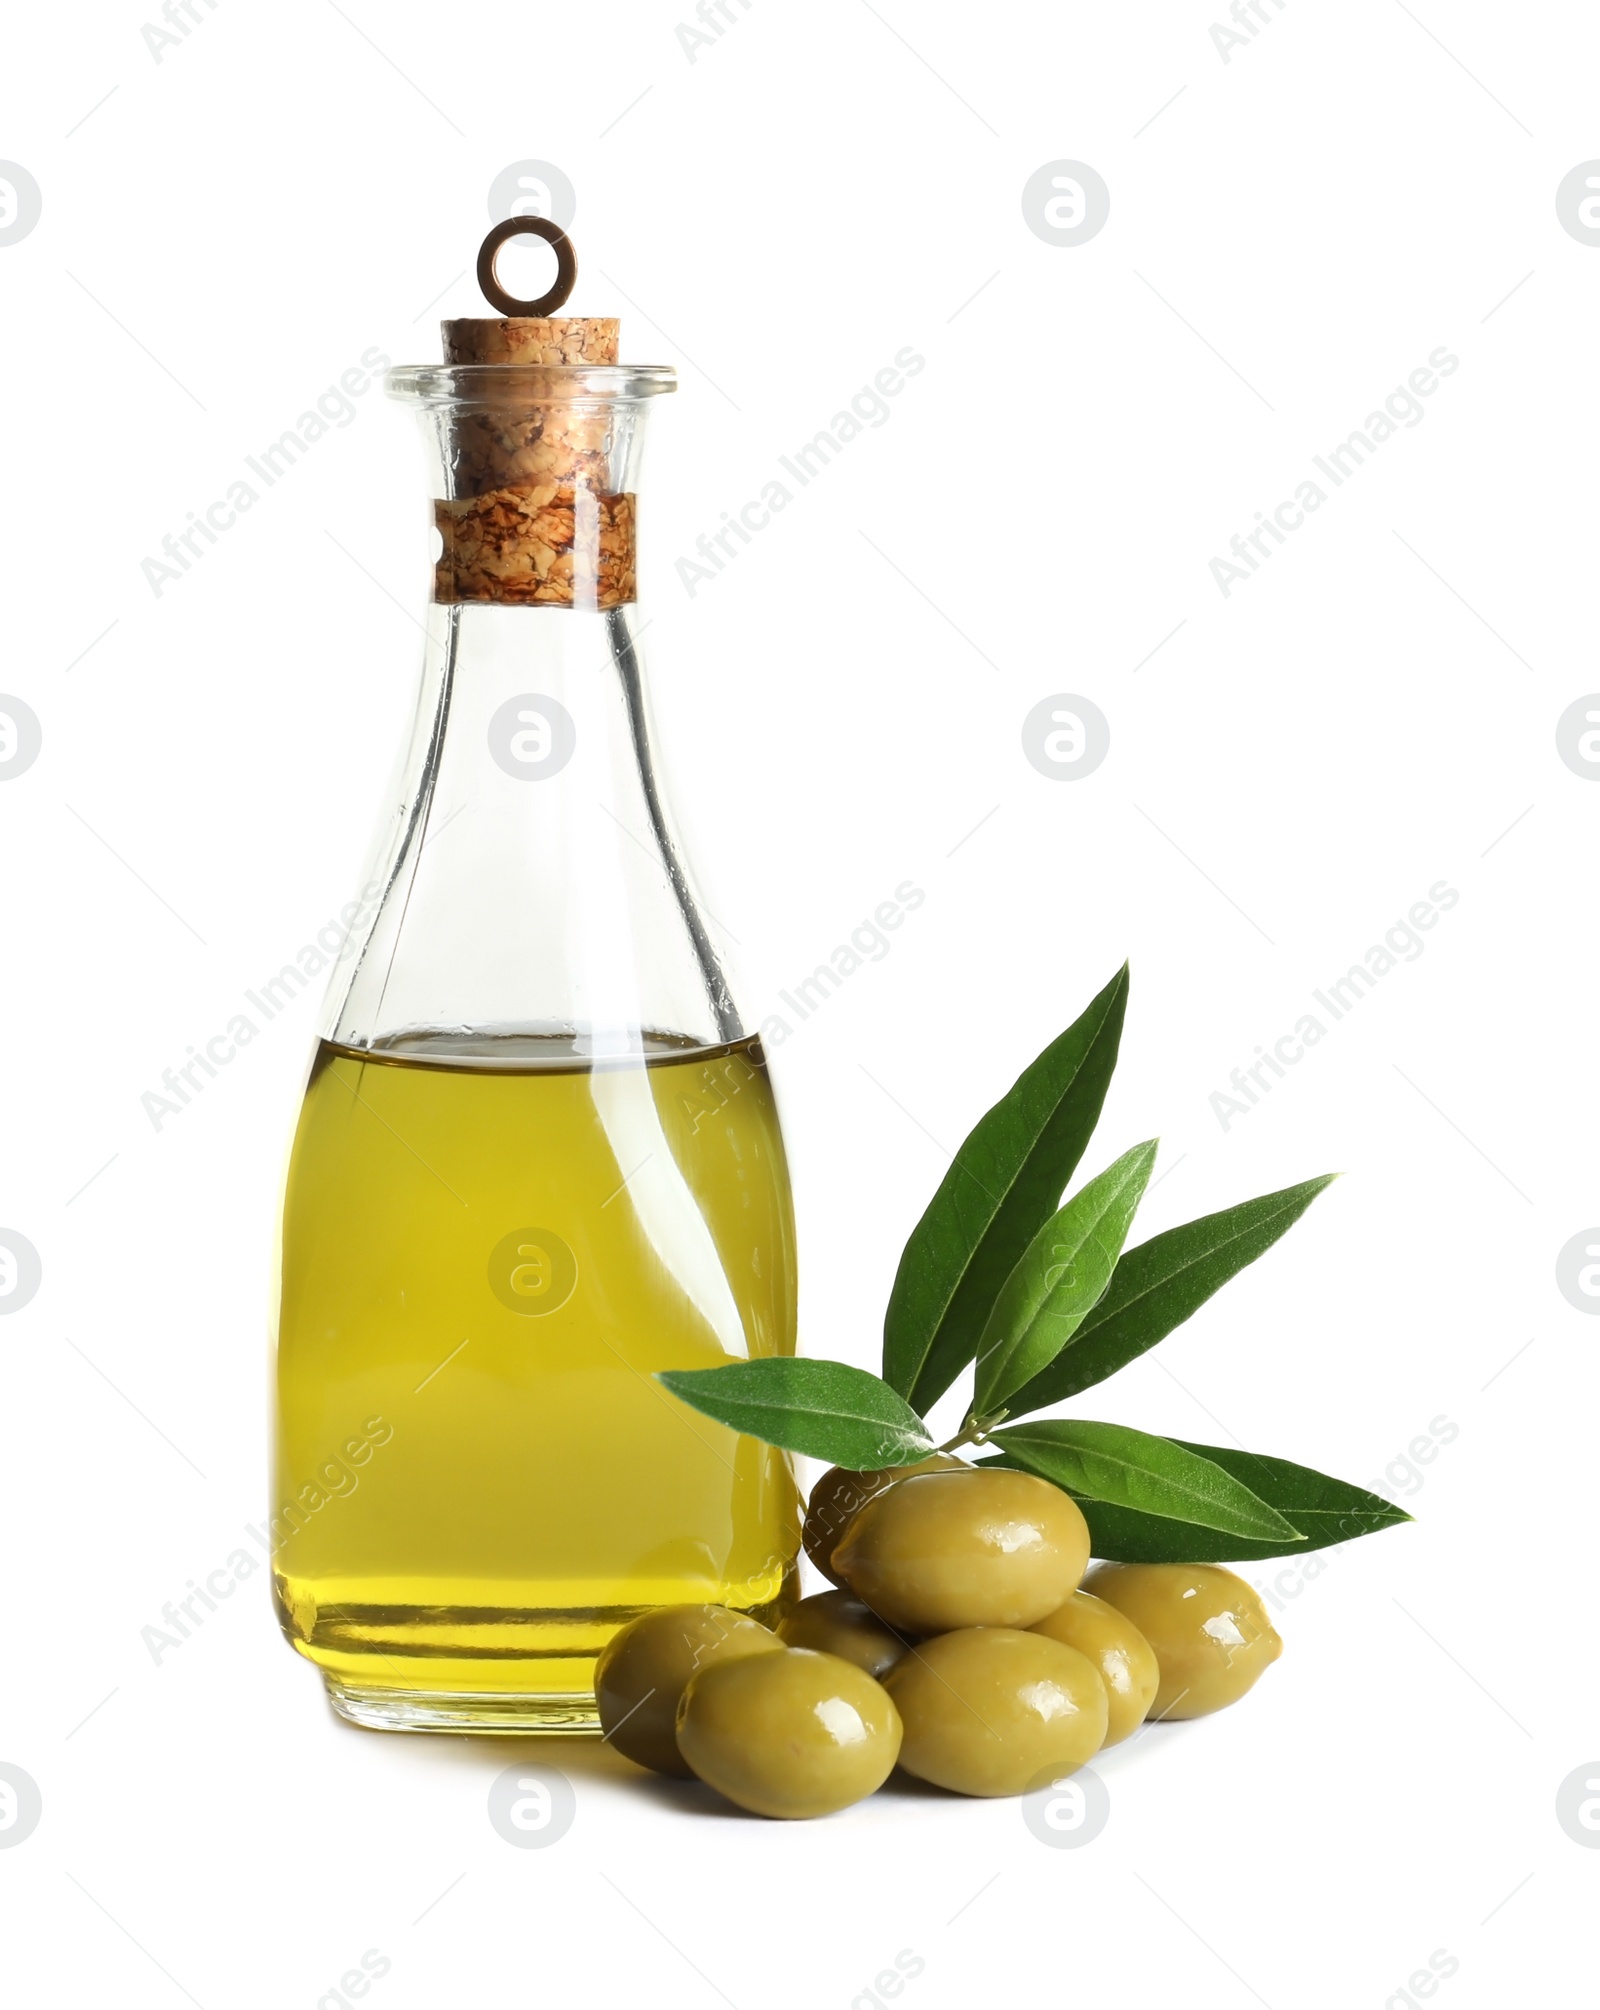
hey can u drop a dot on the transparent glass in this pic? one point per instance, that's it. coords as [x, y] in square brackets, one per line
[538, 1161]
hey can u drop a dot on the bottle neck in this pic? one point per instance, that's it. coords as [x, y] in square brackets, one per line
[531, 896]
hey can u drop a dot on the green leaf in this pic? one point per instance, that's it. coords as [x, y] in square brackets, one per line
[1325, 1510]
[1058, 1278]
[1131, 1469]
[1159, 1284]
[1004, 1182]
[823, 1408]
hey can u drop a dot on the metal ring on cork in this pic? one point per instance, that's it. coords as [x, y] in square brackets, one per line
[566, 266]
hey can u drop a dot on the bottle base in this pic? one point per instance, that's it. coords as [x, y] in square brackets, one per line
[482, 1715]
[497, 1670]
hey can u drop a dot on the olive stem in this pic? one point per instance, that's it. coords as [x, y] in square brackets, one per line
[975, 1431]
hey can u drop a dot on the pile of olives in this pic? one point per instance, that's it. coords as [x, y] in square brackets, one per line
[959, 1645]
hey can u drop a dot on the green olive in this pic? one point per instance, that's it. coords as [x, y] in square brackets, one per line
[840, 1493]
[790, 1734]
[990, 1709]
[975, 1548]
[834, 1622]
[1125, 1659]
[643, 1671]
[1209, 1630]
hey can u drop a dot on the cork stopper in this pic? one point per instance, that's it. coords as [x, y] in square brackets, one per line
[532, 339]
[535, 520]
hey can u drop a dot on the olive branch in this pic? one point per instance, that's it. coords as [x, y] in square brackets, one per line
[1041, 1300]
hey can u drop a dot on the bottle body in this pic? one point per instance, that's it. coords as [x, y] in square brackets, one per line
[538, 1161]
[484, 1266]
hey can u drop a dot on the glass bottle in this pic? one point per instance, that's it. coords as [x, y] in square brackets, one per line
[538, 1158]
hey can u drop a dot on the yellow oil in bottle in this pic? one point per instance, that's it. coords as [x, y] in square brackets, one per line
[489, 1247]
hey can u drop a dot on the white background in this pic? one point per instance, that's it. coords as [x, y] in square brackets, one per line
[1294, 765]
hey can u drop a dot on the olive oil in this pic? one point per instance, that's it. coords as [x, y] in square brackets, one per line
[538, 1160]
[490, 1245]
